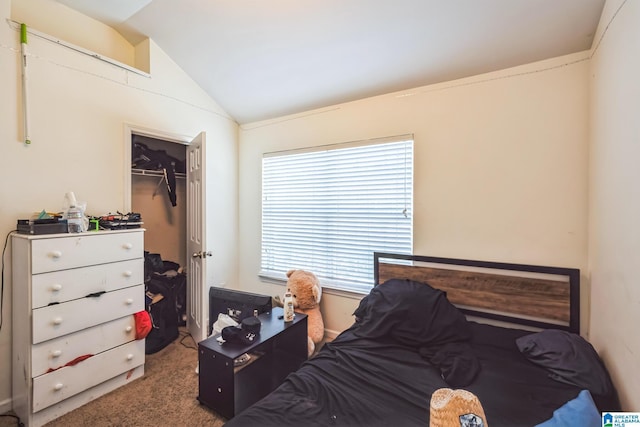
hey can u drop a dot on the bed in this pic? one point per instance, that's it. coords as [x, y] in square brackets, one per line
[509, 333]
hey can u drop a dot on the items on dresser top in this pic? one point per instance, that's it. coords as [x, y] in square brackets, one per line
[74, 297]
[76, 220]
[56, 224]
[120, 221]
[42, 226]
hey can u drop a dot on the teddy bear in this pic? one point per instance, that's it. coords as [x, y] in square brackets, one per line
[307, 292]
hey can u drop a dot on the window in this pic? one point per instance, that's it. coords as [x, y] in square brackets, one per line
[327, 210]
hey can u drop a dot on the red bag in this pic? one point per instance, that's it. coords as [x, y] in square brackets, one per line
[143, 324]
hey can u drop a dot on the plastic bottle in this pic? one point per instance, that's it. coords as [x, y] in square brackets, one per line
[288, 306]
[74, 215]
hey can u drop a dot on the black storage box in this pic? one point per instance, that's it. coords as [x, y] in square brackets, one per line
[26, 226]
[237, 304]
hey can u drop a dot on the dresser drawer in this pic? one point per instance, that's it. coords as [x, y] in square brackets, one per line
[62, 319]
[83, 250]
[56, 386]
[67, 285]
[58, 352]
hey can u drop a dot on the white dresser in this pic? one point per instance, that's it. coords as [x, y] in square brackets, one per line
[74, 296]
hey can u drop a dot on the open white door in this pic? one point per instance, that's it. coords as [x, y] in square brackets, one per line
[197, 307]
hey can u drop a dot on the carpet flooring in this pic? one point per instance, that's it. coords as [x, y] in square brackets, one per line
[165, 396]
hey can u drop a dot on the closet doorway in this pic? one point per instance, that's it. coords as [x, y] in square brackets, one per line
[169, 193]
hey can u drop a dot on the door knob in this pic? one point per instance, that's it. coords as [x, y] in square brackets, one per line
[202, 254]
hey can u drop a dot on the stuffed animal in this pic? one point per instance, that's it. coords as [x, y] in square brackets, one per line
[307, 292]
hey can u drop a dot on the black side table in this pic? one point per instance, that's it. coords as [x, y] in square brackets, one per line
[279, 350]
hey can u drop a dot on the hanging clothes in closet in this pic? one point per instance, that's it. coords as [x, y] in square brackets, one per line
[143, 157]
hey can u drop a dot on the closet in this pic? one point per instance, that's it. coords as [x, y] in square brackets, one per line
[165, 224]
[158, 193]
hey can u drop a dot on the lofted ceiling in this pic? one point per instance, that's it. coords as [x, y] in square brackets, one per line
[261, 59]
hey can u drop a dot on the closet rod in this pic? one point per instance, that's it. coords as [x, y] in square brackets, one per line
[151, 172]
[16, 26]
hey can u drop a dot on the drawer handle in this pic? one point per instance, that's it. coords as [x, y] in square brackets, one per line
[128, 328]
[129, 356]
[128, 273]
[127, 246]
[129, 301]
[96, 294]
[57, 321]
[56, 254]
[56, 287]
[56, 353]
[58, 386]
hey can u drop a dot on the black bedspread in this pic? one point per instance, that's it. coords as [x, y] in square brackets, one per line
[382, 372]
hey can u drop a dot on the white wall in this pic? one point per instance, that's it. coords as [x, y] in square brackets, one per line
[614, 234]
[54, 18]
[78, 110]
[500, 167]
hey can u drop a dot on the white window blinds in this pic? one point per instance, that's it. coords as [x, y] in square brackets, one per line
[328, 211]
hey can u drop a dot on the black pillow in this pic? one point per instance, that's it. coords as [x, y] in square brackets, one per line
[569, 358]
[412, 313]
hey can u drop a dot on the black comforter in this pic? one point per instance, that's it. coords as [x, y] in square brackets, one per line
[407, 342]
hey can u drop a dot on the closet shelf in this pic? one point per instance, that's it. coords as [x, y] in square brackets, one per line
[157, 173]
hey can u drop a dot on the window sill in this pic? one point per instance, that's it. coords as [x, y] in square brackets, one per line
[328, 287]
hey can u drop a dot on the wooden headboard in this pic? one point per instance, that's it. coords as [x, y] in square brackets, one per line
[525, 295]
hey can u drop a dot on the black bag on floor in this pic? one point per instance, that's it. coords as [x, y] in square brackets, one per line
[164, 316]
[152, 264]
[180, 289]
